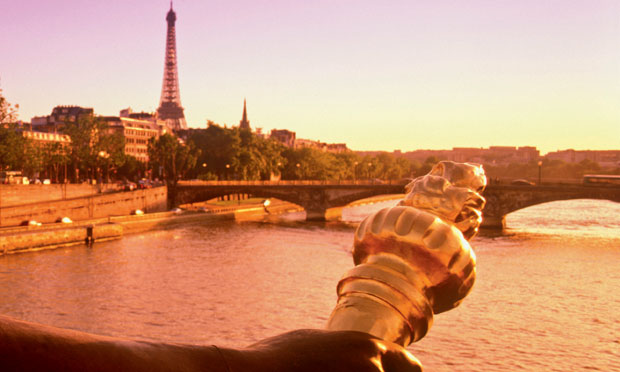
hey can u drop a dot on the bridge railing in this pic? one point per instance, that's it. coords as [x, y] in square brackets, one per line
[292, 182]
[402, 182]
[545, 181]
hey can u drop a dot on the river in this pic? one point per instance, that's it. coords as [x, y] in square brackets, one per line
[547, 295]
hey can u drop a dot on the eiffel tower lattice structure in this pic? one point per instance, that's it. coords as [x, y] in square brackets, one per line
[170, 108]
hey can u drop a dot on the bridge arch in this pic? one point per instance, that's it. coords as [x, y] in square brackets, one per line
[321, 200]
[561, 215]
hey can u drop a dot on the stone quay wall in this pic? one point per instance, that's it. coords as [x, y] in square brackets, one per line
[84, 207]
[26, 194]
[33, 240]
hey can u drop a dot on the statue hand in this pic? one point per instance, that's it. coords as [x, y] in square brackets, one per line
[318, 350]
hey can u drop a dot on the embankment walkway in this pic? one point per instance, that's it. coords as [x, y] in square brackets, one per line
[32, 238]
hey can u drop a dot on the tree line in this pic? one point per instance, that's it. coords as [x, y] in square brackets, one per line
[94, 153]
[221, 153]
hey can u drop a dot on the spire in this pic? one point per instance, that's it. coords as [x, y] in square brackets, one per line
[244, 123]
[171, 17]
[245, 112]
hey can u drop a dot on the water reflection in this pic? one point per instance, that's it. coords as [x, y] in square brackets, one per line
[545, 297]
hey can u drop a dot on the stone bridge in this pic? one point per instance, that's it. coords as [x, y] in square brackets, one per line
[504, 199]
[324, 200]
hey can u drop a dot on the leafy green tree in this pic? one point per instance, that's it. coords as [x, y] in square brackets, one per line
[8, 112]
[257, 158]
[47, 160]
[219, 148]
[12, 147]
[389, 167]
[111, 153]
[12, 143]
[231, 153]
[274, 161]
[347, 163]
[310, 164]
[173, 158]
[94, 148]
[129, 168]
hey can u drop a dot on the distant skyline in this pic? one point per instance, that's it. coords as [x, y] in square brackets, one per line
[378, 76]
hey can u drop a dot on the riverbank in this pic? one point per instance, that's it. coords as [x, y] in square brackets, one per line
[32, 238]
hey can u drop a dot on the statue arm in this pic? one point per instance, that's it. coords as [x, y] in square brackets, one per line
[26, 346]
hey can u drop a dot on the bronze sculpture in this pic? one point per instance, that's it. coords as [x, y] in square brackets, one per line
[414, 260]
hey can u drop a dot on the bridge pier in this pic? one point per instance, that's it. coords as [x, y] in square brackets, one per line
[324, 214]
[493, 222]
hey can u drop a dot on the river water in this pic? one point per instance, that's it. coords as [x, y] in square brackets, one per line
[547, 295]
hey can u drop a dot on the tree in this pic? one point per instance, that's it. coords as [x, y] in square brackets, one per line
[232, 153]
[219, 147]
[12, 143]
[173, 158]
[46, 160]
[8, 112]
[94, 148]
[258, 158]
[271, 151]
[310, 164]
[12, 147]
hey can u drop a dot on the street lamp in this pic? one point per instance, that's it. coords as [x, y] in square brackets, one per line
[104, 155]
[227, 173]
[539, 171]
[355, 171]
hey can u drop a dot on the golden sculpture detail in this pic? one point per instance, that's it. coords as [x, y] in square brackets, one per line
[413, 260]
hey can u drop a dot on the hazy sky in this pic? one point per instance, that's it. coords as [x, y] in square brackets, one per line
[377, 75]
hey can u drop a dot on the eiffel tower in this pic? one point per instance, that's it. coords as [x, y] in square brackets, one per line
[170, 108]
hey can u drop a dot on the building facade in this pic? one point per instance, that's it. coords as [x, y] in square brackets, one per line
[605, 158]
[492, 155]
[289, 139]
[42, 138]
[56, 121]
[137, 133]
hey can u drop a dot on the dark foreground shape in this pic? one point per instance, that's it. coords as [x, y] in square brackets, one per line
[28, 346]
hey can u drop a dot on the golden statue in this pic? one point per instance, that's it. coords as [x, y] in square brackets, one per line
[414, 260]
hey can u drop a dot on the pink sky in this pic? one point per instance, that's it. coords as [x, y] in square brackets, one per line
[376, 75]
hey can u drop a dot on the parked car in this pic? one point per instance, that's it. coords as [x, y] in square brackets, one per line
[144, 184]
[127, 185]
